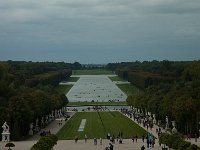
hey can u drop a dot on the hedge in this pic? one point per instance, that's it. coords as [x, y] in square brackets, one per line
[176, 142]
[45, 143]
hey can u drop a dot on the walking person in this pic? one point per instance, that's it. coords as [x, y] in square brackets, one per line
[76, 139]
[85, 138]
[100, 140]
[136, 137]
[143, 148]
[95, 141]
[133, 139]
[111, 146]
[143, 138]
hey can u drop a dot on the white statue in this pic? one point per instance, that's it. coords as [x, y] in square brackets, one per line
[5, 127]
[46, 119]
[174, 130]
[154, 118]
[31, 129]
[42, 121]
[6, 133]
[52, 114]
[167, 122]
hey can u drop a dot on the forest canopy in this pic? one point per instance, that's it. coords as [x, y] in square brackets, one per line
[170, 88]
[27, 92]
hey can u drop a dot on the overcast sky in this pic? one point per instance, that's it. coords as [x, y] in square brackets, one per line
[99, 31]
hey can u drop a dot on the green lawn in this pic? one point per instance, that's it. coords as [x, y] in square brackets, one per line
[129, 89]
[63, 89]
[96, 103]
[98, 124]
[116, 78]
[73, 79]
[92, 72]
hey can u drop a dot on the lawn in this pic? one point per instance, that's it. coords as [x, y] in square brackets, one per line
[116, 78]
[129, 89]
[92, 72]
[98, 124]
[63, 89]
[73, 79]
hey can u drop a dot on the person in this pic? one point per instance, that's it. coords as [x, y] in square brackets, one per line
[76, 139]
[95, 141]
[100, 141]
[111, 146]
[85, 138]
[120, 141]
[142, 148]
[108, 136]
[143, 138]
[133, 139]
[136, 138]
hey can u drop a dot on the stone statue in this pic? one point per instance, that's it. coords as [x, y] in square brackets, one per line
[6, 133]
[36, 125]
[174, 130]
[46, 119]
[5, 127]
[154, 118]
[42, 122]
[52, 114]
[31, 129]
[167, 122]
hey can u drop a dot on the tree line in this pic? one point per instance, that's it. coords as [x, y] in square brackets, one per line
[27, 92]
[170, 88]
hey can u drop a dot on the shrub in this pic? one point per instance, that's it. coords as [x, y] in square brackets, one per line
[183, 145]
[192, 147]
[164, 138]
[45, 143]
[176, 142]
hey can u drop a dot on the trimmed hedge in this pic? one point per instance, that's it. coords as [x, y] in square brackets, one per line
[176, 142]
[45, 143]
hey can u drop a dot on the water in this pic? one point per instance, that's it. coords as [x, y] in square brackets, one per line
[95, 88]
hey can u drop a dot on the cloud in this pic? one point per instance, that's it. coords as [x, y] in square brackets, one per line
[125, 28]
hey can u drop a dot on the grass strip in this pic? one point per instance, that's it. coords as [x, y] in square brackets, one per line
[98, 124]
[129, 89]
[63, 89]
[116, 78]
[93, 72]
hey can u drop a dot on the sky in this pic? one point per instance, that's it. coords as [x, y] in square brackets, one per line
[99, 31]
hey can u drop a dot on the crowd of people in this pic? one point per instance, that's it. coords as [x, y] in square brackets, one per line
[149, 138]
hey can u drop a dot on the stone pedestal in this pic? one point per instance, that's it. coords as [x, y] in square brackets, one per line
[174, 130]
[5, 137]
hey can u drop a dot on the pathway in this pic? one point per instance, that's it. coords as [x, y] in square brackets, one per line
[153, 131]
